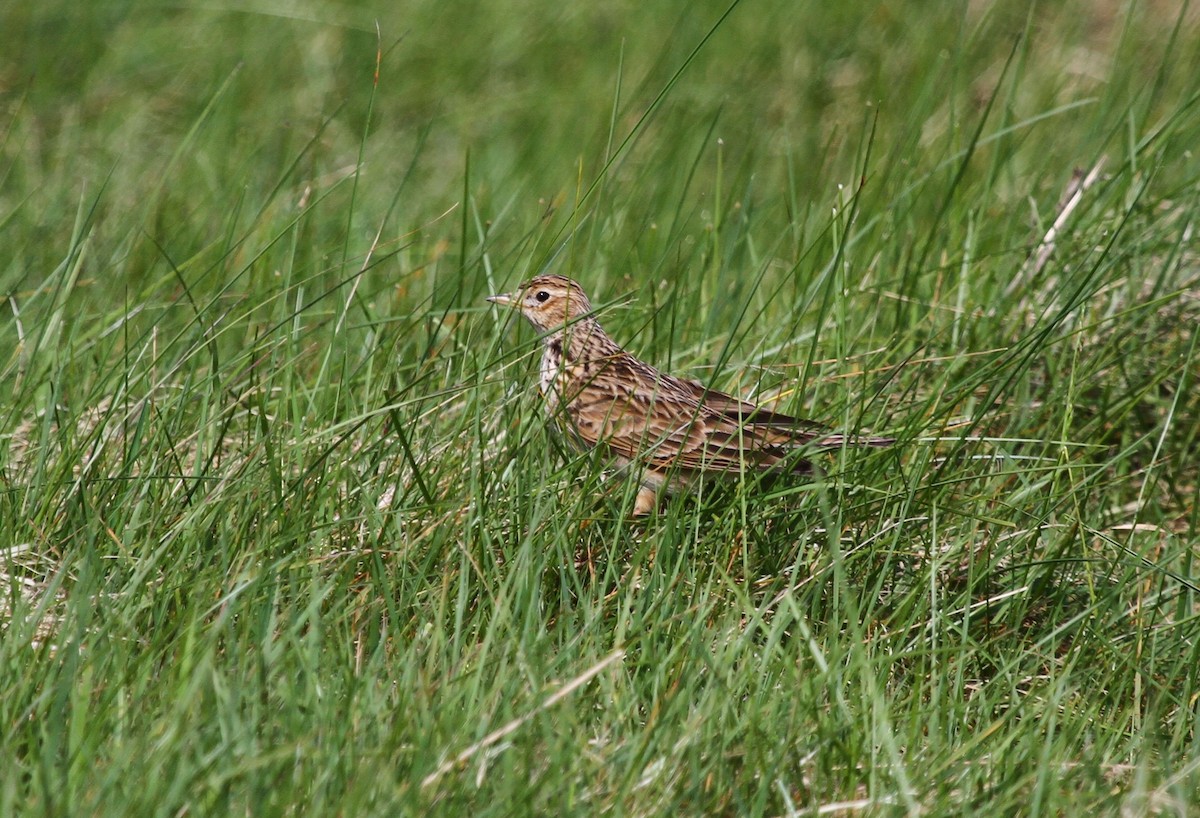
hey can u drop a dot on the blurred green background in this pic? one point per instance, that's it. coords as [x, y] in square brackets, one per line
[185, 112]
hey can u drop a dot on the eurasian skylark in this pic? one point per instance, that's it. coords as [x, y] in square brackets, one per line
[667, 429]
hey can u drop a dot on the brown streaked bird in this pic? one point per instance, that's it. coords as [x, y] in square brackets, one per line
[668, 429]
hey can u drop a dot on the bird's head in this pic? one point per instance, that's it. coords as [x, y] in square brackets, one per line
[549, 302]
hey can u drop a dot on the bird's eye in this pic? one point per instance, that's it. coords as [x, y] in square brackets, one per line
[542, 295]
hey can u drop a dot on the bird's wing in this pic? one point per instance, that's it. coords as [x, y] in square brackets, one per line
[804, 431]
[665, 427]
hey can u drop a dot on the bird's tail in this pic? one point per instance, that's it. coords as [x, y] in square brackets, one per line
[837, 441]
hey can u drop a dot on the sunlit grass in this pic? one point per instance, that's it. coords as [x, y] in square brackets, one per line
[282, 525]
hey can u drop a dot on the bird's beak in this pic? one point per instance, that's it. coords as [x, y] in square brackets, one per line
[504, 299]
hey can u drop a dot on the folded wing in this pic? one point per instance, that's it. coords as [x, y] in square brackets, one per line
[670, 428]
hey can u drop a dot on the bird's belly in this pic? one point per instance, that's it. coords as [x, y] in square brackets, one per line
[548, 382]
